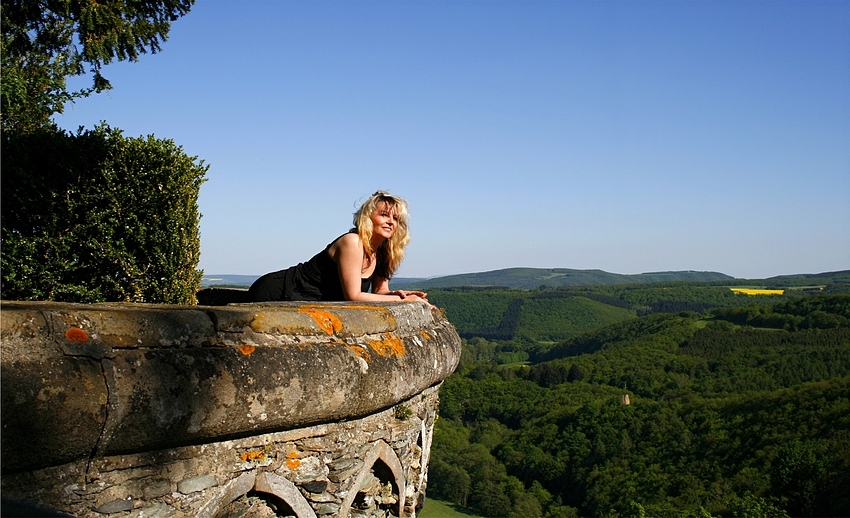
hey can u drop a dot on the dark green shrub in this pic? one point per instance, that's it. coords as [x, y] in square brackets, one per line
[96, 216]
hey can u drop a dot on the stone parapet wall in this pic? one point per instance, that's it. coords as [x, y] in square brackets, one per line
[148, 410]
[335, 469]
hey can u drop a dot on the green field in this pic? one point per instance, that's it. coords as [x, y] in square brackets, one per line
[437, 509]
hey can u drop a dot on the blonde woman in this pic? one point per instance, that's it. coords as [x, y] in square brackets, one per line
[356, 266]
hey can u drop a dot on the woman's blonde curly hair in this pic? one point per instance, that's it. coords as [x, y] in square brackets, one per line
[391, 252]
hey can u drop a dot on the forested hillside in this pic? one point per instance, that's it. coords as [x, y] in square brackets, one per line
[736, 410]
[530, 278]
[835, 279]
[555, 314]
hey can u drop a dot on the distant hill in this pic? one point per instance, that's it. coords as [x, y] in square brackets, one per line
[229, 280]
[810, 279]
[531, 278]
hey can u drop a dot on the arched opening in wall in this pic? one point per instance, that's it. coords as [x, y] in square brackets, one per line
[257, 504]
[420, 443]
[378, 494]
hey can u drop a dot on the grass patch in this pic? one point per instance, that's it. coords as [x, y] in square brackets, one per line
[515, 364]
[438, 509]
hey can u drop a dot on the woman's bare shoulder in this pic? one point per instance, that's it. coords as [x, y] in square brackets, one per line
[350, 239]
[348, 242]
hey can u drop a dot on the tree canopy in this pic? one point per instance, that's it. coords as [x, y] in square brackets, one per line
[44, 42]
[722, 418]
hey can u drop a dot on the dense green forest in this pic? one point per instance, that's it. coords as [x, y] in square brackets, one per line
[673, 399]
[533, 278]
[530, 278]
[554, 314]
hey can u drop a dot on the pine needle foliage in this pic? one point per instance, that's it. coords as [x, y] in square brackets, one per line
[46, 41]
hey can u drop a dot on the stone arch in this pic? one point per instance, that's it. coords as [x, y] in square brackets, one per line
[379, 450]
[282, 488]
[426, 436]
[265, 483]
[230, 492]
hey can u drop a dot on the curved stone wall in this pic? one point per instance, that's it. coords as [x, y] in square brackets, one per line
[91, 391]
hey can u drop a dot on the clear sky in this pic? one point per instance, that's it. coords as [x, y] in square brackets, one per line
[628, 136]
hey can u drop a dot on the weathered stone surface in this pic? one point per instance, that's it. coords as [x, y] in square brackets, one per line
[305, 469]
[325, 509]
[318, 486]
[43, 400]
[362, 480]
[232, 490]
[347, 472]
[215, 372]
[283, 488]
[157, 489]
[38, 380]
[328, 407]
[324, 497]
[116, 506]
[199, 483]
[157, 510]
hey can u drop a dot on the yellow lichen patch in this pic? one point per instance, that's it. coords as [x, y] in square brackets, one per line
[361, 352]
[425, 335]
[391, 345]
[76, 334]
[258, 321]
[292, 461]
[246, 349]
[326, 320]
[754, 291]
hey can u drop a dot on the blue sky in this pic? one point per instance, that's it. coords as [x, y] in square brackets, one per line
[630, 136]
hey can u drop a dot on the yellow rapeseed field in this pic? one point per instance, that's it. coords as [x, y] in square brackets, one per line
[756, 291]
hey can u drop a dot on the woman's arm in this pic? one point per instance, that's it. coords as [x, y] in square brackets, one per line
[348, 254]
[382, 286]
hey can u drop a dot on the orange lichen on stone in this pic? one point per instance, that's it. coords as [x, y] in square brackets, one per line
[382, 311]
[292, 461]
[246, 349]
[254, 456]
[326, 320]
[361, 352]
[390, 346]
[76, 334]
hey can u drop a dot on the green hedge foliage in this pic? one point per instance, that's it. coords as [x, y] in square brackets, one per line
[96, 216]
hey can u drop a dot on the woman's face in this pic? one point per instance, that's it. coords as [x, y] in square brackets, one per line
[384, 220]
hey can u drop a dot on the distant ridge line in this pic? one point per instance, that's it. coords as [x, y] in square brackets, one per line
[533, 278]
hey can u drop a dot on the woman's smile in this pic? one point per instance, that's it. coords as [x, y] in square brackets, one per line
[384, 221]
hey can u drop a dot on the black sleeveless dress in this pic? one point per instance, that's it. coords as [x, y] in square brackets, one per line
[317, 279]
